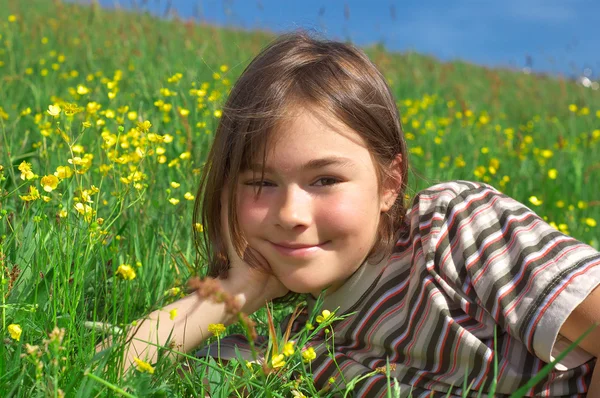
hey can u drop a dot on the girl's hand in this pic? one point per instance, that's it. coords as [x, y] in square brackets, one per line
[255, 285]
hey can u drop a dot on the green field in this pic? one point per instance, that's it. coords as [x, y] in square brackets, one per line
[105, 119]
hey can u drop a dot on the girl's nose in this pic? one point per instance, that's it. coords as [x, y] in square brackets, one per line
[295, 208]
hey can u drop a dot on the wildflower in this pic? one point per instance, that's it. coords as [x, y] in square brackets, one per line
[126, 272]
[198, 227]
[218, 113]
[175, 184]
[216, 329]
[54, 110]
[552, 174]
[15, 331]
[188, 196]
[82, 90]
[49, 182]
[278, 361]
[297, 394]
[62, 213]
[590, 222]
[309, 355]
[309, 326]
[173, 201]
[325, 315]
[85, 210]
[143, 366]
[144, 126]
[25, 169]
[573, 108]
[174, 291]
[34, 194]
[535, 201]
[63, 172]
[288, 348]
[582, 205]
[71, 109]
[173, 313]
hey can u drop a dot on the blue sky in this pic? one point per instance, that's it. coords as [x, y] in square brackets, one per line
[559, 36]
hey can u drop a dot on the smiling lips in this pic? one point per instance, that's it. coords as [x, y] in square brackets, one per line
[295, 249]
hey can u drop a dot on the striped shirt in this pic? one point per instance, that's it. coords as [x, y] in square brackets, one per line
[470, 260]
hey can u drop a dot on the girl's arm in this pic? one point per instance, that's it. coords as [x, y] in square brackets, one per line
[190, 327]
[580, 320]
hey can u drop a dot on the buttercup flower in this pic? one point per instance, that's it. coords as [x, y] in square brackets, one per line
[288, 348]
[54, 110]
[216, 329]
[325, 315]
[309, 354]
[143, 366]
[49, 182]
[15, 331]
[173, 313]
[277, 361]
[535, 201]
[126, 272]
[26, 173]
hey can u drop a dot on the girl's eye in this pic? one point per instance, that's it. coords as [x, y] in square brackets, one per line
[258, 183]
[328, 181]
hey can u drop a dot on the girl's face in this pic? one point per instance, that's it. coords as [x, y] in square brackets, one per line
[316, 218]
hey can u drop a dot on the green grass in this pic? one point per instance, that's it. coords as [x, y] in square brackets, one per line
[59, 267]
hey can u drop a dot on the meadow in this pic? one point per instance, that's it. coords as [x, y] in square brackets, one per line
[105, 119]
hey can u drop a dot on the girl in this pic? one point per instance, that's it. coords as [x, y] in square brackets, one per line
[303, 190]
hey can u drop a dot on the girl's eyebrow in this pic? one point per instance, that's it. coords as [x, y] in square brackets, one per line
[311, 164]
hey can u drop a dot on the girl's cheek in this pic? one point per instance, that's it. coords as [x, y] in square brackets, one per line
[251, 211]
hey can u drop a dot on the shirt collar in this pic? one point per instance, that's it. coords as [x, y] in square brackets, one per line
[353, 289]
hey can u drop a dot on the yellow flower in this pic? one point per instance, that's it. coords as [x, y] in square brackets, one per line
[12, 18]
[175, 184]
[85, 210]
[54, 110]
[590, 222]
[309, 354]
[173, 313]
[277, 361]
[560, 204]
[62, 213]
[63, 172]
[25, 169]
[144, 126]
[174, 201]
[126, 272]
[34, 194]
[198, 227]
[216, 329]
[552, 174]
[49, 182]
[547, 153]
[535, 201]
[174, 291]
[15, 331]
[297, 394]
[143, 366]
[288, 348]
[82, 90]
[325, 315]
[218, 113]
[573, 108]
[188, 196]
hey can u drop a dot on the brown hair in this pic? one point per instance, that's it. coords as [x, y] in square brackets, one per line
[297, 70]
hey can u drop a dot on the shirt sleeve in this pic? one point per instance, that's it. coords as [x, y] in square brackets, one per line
[502, 257]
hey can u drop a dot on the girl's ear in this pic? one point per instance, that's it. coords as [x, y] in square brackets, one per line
[392, 184]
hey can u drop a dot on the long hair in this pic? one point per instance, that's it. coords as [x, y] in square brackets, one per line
[297, 70]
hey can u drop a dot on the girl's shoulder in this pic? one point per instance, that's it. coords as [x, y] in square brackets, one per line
[441, 195]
